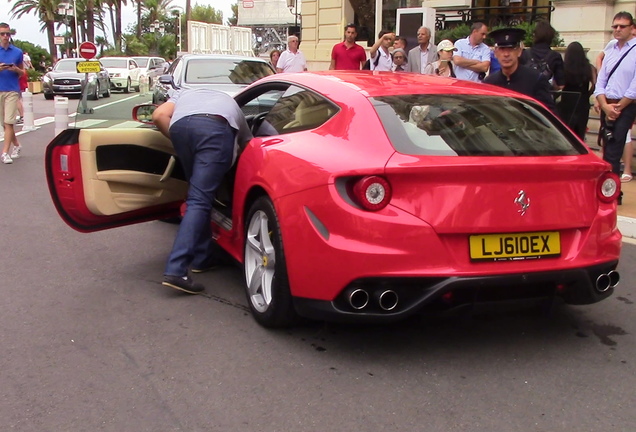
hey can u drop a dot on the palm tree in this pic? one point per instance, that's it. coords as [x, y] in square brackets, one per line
[140, 4]
[102, 43]
[46, 12]
[115, 21]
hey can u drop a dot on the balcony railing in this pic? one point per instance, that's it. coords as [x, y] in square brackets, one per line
[493, 16]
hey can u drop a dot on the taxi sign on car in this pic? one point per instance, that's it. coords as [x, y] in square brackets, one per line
[88, 67]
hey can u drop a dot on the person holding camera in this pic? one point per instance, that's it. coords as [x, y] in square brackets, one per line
[11, 67]
[616, 90]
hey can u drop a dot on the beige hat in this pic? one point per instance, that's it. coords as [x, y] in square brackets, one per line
[446, 45]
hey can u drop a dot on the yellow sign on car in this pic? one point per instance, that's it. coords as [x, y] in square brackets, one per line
[88, 67]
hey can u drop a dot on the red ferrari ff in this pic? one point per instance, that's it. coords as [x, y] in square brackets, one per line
[374, 196]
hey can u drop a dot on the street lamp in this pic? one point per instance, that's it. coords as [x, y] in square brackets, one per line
[64, 8]
[177, 10]
[293, 4]
[158, 28]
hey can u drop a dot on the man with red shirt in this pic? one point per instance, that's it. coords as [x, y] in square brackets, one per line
[348, 55]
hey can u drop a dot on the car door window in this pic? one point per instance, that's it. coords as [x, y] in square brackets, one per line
[176, 73]
[299, 109]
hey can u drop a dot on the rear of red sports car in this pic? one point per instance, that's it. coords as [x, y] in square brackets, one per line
[482, 198]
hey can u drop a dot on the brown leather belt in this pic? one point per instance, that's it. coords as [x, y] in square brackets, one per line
[612, 101]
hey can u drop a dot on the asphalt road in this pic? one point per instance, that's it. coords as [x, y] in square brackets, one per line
[91, 341]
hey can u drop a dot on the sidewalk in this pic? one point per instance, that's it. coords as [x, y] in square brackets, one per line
[626, 211]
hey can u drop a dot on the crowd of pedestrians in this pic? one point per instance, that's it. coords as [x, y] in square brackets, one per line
[537, 71]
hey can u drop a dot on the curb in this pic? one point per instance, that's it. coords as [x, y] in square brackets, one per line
[627, 226]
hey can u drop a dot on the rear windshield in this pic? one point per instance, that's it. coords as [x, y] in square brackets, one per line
[115, 63]
[464, 125]
[225, 71]
[66, 66]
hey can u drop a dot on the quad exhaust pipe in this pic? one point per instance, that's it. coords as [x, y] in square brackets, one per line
[606, 281]
[359, 299]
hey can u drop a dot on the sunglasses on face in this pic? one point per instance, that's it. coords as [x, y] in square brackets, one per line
[5, 33]
[620, 26]
[398, 57]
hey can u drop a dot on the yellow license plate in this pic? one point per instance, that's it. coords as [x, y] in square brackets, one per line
[518, 246]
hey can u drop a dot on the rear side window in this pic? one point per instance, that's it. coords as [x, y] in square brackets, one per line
[468, 125]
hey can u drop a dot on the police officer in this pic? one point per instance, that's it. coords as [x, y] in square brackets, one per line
[514, 76]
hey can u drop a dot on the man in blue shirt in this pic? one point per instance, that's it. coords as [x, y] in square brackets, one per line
[10, 70]
[615, 90]
[472, 58]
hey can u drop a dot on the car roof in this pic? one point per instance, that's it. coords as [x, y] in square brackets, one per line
[221, 57]
[373, 84]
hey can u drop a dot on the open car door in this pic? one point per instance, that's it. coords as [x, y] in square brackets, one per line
[105, 178]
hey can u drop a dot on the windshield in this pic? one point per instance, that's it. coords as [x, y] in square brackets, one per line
[66, 66]
[463, 125]
[141, 61]
[120, 63]
[225, 71]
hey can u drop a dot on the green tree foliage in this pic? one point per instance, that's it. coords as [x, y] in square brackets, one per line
[233, 20]
[463, 30]
[206, 14]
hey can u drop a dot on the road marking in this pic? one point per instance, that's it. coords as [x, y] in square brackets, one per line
[88, 123]
[120, 100]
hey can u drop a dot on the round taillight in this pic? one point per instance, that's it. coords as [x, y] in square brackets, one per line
[608, 187]
[372, 192]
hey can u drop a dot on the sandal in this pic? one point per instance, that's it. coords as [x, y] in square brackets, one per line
[625, 178]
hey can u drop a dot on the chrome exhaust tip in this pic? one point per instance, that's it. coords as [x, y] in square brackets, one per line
[615, 278]
[388, 300]
[358, 299]
[603, 283]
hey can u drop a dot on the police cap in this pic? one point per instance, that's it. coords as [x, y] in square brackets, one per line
[507, 37]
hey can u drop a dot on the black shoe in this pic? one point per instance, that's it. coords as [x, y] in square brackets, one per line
[183, 283]
[209, 265]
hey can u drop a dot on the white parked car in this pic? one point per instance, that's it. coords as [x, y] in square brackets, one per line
[124, 73]
[151, 68]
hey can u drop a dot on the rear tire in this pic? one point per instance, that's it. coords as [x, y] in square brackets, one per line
[95, 95]
[266, 283]
[107, 92]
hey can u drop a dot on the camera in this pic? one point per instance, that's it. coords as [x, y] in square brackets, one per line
[608, 131]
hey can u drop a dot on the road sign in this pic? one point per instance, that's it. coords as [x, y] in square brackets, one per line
[87, 50]
[88, 67]
[58, 40]
[247, 4]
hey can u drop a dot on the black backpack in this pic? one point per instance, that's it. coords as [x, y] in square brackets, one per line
[367, 64]
[540, 65]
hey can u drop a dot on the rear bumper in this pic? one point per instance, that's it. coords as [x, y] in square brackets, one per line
[421, 295]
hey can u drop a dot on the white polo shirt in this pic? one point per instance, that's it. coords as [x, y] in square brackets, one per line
[290, 62]
[385, 63]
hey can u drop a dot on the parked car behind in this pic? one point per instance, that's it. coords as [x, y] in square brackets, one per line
[225, 73]
[64, 80]
[151, 68]
[124, 73]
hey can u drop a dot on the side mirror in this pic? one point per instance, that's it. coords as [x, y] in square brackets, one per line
[166, 79]
[143, 113]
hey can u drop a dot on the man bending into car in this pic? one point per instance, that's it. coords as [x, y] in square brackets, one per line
[204, 126]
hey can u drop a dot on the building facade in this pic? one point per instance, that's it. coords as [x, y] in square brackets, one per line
[585, 21]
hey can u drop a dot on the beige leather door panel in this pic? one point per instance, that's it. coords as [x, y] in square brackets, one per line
[128, 169]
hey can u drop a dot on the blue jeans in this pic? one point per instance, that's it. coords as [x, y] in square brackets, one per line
[205, 147]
